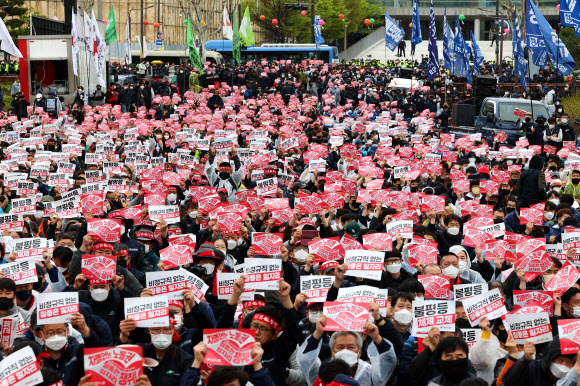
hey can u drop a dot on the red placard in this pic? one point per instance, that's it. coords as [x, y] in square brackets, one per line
[326, 249]
[228, 347]
[436, 287]
[267, 243]
[534, 216]
[569, 333]
[475, 238]
[108, 230]
[111, 366]
[564, 278]
[99, 269]
[381, 241]
[426, 254]
[176, 256]
[345, 316]
[495, 248]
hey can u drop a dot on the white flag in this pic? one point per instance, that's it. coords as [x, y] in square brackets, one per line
[75, 44]
[228, 32]
[99, 49]
[144, 47]
[88, 32]
[128, 59]
[7, 42]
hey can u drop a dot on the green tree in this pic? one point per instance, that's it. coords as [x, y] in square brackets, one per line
[14, 14]
[292, 26]
[572, 43]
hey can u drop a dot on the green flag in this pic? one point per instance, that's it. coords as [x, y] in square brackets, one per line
[236, 41]
[111, 31]
[246, 34]
[193, 56]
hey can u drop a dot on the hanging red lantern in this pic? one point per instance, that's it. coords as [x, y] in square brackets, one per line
[341, 16]
[275, 21]
[156, 25]
[262, 17]
[145, 22]
[303, 13]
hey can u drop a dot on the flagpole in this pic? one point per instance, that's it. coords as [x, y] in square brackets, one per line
[557, 56]
[529, 73]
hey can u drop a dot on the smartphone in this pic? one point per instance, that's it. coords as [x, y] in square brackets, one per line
[307, 236]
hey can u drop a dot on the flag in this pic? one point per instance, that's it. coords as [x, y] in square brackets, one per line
[461, 50]
[75, 43]
[318, 39]
[570, 14]
[227, 30]
[128, 59]
[7, 44]
[557, 51]
[87, 26]
[144, 47]
[393, 33]
[535, 40]
[193, 56]
[416, 25]
[433, 65]
[236, 49]
[448, 38]
[99, 49]
[520, 68]
[111, 31]
[477, 54]
[246, 34]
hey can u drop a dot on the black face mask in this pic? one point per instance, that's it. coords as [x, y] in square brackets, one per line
[224, 175]
[51, 147]
[6, 303]
[38, 285]
[509, 210]
[502, 336]
[575, 181]
[505, 192]
[454, 370]
[462, 323]
[122, 263]
[413, 189]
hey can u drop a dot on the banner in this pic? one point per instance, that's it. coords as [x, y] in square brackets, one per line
[345, 316]
[489, 304]
[364, 264]
[148, 311]
[464, 291]
[404, 228]
[21, 271]
[107, 230]
[112, 366]
[197, 285]
[433, 313]
[315, 287]
[426, 254]
[382, 241]
[433, 64]
[416, 25]
[357, 294]
[20, 368]
[326, 249]
[393, 33]
[228, 347]
[564, 278]
[56, 307]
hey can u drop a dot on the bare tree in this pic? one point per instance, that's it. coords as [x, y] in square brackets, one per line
[195, 9]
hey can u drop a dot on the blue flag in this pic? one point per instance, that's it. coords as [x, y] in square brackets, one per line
[570, 14]
[477, 54]
[433, 65]
[318, 39]
[557, 51]
[535, 40]
[520, 68]
[462, 51]
[416, 25]
[393, 33]
[447, 43]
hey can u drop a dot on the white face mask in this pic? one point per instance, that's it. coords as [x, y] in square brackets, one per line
[559, 371]
[564, 121]
[209, 268]
[56, 342]
[472, 159]
[510, 162]
[147, 248]
[453, 231]
[62, 269]
[403, 317]
[178, 321]
[99, 295]
[551, 126]
[38, 214]
[193, 214]
[450, 271]
[456, 166]
[161, 341]
[171, 197]
[166, 137]
[232, 244]
[118, 143]
[549, 215]
[122, 229]
[300, 256]
[462, 266]
[239, 242]
[348, 356]
[313, 316]
[158, 136]
[394, 268]
[555, 201]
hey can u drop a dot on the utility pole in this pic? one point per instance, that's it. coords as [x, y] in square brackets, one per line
[141, 40]
[312, 22]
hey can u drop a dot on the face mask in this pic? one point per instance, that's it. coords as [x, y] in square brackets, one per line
[403, 317]
[166, 137]
[453, 231]
[475, 191]
[23, 295]
[394, 268]
[575, 181]
[549, 215]
[62, 269]
[462, 267]
[232, 244]
[118, 143]
[122, 263]
[209, 268]
[193, 214]
[178, 321]
[158, 136]
[462, 323]
[313, 316]
[471, 159]
[6, 303]
[547, 277]
[509, 210]
[38, 214]
[454, 369]
[239, 242]
[123, 229]
[450, 271]
[510, 162]
[564, 121]
[502, 336]
[528, 120]
[456, 166]
[147, 248]
[559, 371]
[171, 197]
[224, 175]
[56, 342]
[348, 356]
[70, 119]
[99, 295]
[300, 256]
[161, 341]
[551, 126]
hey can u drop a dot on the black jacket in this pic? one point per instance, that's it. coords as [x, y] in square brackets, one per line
[171, 368]
[536, 372]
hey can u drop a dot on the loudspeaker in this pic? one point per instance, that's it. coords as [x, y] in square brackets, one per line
[463, 115]
[485, 81]
[406, 73]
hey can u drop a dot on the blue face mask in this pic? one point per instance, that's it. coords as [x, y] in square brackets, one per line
[23, 295]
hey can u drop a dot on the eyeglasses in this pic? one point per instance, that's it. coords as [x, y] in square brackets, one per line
[394, 261]
[263, 329]
[53, 333]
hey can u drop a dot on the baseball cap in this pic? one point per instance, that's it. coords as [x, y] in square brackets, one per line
[352, 229]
